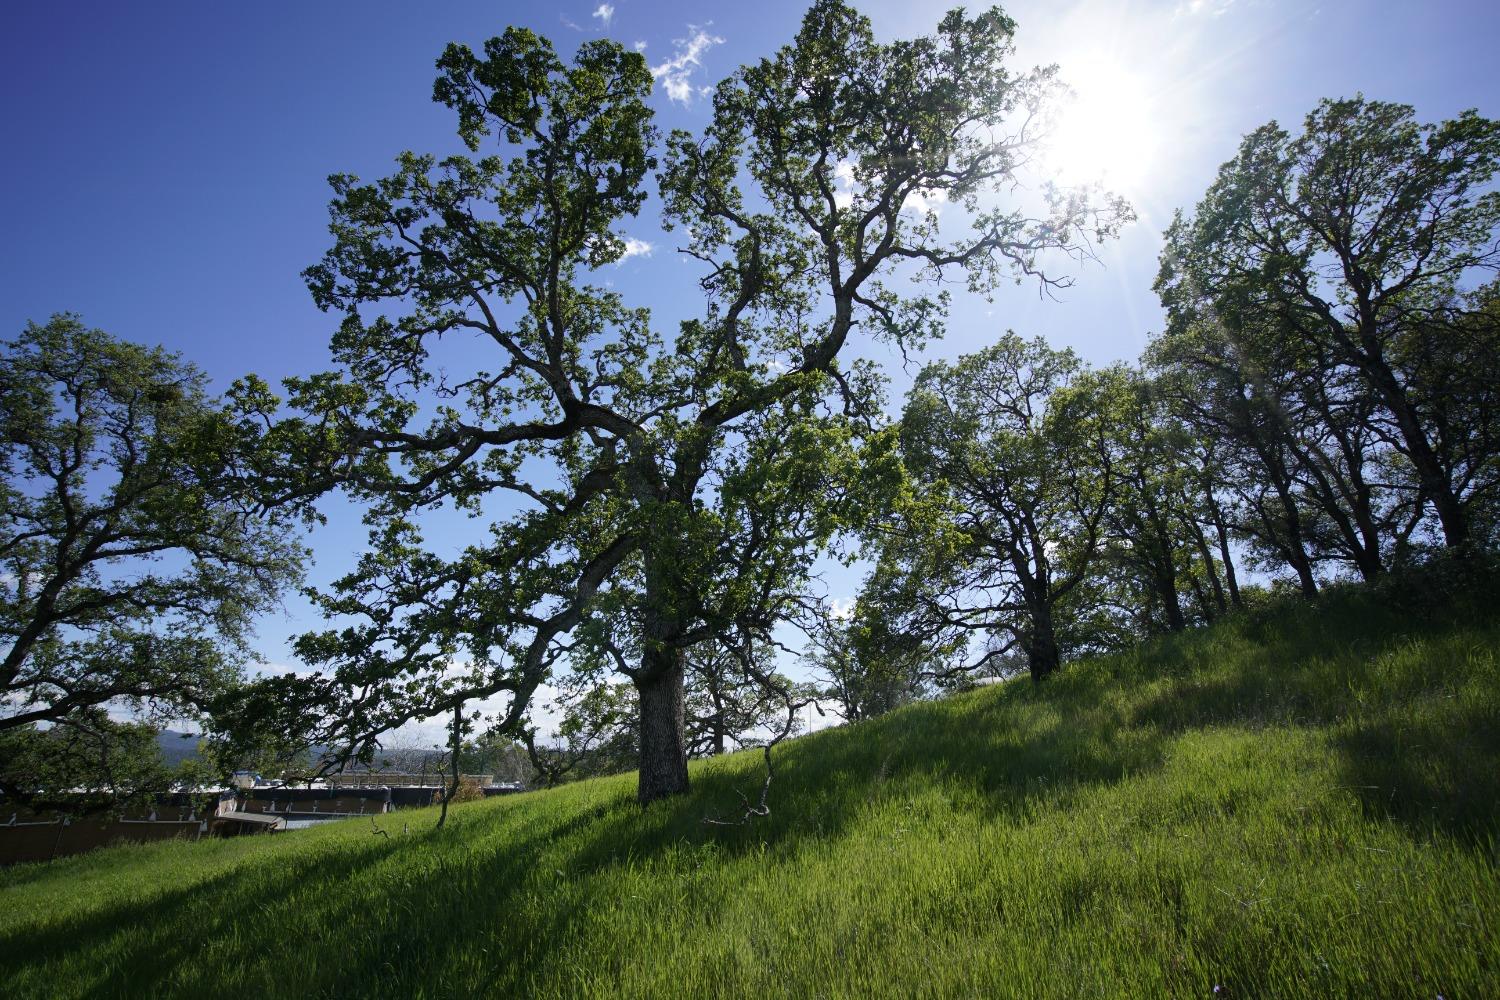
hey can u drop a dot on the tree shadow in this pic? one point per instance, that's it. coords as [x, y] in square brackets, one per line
[485, 890]
[1411, 714]
[1430, 771]
[285, 921]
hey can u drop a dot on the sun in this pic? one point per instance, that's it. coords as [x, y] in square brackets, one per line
[1107, 130]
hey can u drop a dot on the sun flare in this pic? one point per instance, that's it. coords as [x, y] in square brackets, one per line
[1107, 131]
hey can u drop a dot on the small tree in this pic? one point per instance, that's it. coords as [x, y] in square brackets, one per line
[1020, 448]
[725, 702]
[598, 735]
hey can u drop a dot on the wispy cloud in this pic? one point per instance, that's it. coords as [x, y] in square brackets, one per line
[640, 46]
[569, 23]
[604, 13]
[675, 74]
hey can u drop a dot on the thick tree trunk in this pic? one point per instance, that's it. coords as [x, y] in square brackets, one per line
[663, 721]
[1041, 648]
[1165, 577]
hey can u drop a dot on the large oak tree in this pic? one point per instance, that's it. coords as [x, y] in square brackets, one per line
[644, 491]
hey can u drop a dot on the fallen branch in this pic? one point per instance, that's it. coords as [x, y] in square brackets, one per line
[762, 808]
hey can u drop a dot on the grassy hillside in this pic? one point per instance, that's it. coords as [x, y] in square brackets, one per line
[1301, 802]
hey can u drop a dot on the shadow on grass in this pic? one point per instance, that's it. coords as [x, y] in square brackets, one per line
[299, 922]
[1402, 677]
[303, 901]
[482, 875]
[1430, 771]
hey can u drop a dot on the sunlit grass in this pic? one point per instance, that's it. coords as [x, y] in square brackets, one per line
[1301, 802]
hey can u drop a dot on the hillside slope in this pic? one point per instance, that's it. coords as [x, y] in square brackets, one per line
[1299, 802]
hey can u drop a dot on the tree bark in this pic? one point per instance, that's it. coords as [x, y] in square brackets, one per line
[1201, 541]
[1041, 646]
[663, 722]
[1221, 530]
[1296, 551]
[1369, 356]
[458, 709]
[1430, 473]
[1164, 577]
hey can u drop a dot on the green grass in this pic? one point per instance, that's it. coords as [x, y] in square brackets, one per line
[1301, 802]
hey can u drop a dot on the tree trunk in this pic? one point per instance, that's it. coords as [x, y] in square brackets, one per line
[1221, 530]
[663, 717]
[1296, 551]
[1163, 569]
[1450, 510]
[1204, 607]
[458, 710]
[1201, 541]
[1165, 577]
[720, 737]
[1430, 472]
[1041, 647]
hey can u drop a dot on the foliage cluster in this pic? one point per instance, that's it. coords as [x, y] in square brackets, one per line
[1321, 405]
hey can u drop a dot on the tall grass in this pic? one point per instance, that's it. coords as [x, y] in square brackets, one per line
[1299, 802]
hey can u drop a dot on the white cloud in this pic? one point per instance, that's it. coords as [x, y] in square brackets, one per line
[605, 13]
[843, 175]
[634, 248]
[923, 202]
[569, 23]
[640, 46]
[674, 75]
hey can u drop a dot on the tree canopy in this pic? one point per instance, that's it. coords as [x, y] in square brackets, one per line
[644, 492]
[1328, 254]
[135, 557]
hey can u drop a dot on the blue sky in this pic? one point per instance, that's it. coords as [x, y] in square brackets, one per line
[164, 165]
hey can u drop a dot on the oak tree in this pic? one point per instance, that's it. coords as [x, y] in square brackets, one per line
[1349, 238]
[644, 491]
[135, 555]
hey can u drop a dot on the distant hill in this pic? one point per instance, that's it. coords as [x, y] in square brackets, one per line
[1301, 801]
[177, 747]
